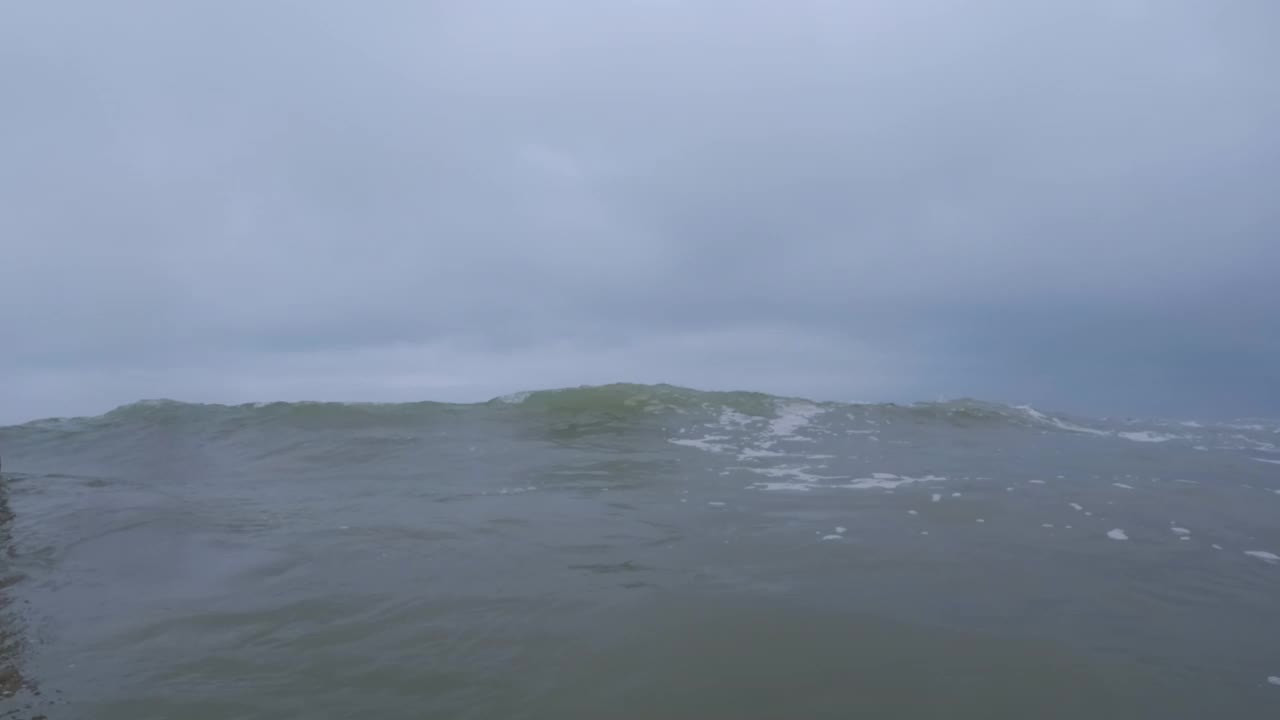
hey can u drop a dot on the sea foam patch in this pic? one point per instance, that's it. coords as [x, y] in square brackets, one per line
[798, 478]
[1055, 422]
[793, 416]
[1147, 436]
[710, 443]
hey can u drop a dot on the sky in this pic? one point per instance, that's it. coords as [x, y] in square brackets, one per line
[1072, 205]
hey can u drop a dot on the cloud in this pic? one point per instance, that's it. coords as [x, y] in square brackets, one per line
[1071, 206]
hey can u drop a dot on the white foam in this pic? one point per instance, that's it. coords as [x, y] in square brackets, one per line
[1268, 460]
[924, 532]
[730, 418]
[1076, 506]
[981, 520]
[792, 417]
[715, 503]
[832, 537]
[1067, 527]
[1263, 555]
[841, 529]
[886, 482]
[1046, 525]
[1122, 485]
[1036, 482]
[515, 398]
[1147, 436]
[800, 474]
[1086, 512]
[1117, 534]
[937, 497]
[708, 443]
[1180, 531]
[1077, 428]
[781, 486]
[1216, 547]
[1033, 412]
[955, 494]
[800, 479]
[1191, 424]
[1274, 679]
[913, 512]
[1036, 414]
[751, 453]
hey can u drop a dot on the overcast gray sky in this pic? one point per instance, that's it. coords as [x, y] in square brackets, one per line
[1071, 204]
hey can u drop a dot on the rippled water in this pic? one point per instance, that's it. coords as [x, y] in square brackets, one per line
[638, 552]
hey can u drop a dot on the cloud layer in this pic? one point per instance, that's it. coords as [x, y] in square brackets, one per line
[1072, 206]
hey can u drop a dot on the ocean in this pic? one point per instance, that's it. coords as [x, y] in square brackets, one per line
[631, 551]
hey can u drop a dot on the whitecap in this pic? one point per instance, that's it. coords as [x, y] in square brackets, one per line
[792, 417]
[776, 486]
[1147, 436]
[708, 443]
[1117, 534]
[749, 453]
[885, 482]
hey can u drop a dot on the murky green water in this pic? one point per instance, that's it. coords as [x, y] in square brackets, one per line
[638, 552]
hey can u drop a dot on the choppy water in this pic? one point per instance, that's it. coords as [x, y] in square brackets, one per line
[638, 552]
